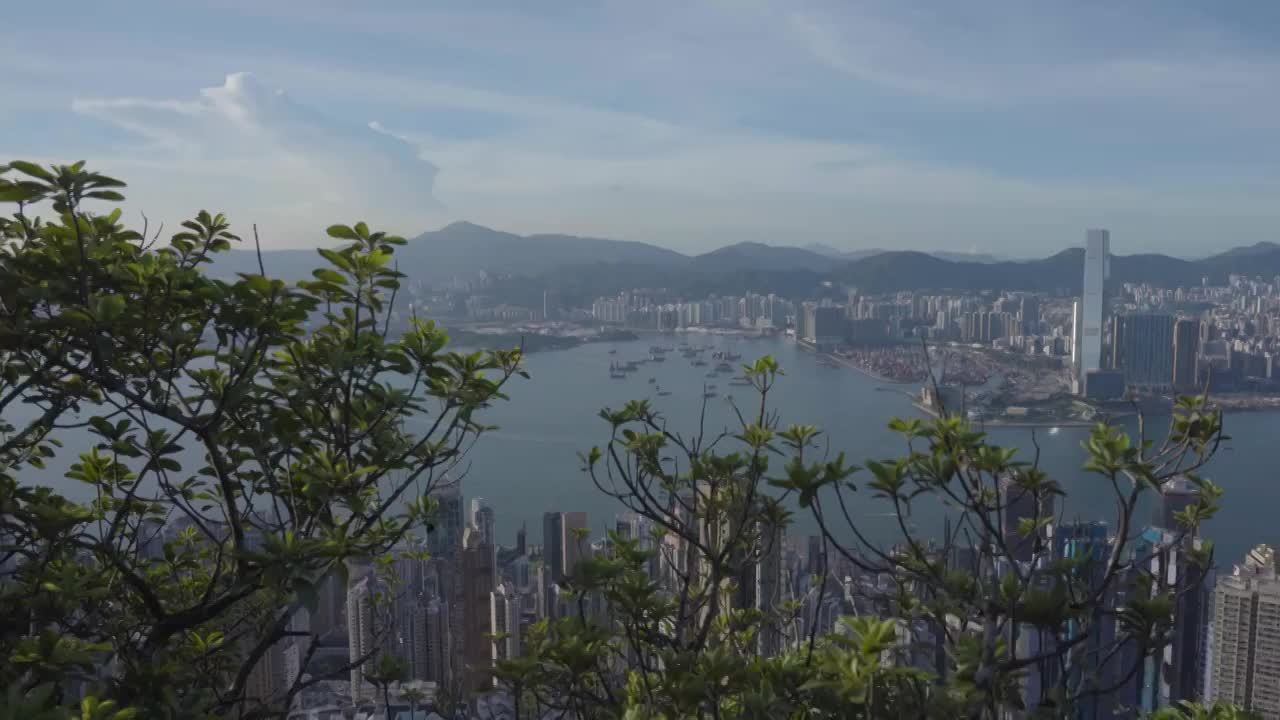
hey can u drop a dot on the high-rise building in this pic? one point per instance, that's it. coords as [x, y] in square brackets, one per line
[1186, 350]
[824, 325]
[478, 578]
[269, 679]
[1093, 300]
[1029, 312]
[367, 631]
[1246, 635]
[1021, 504]
[329, 618]
[504, 618]
[768, 591]
[576, 546]
[1143, 349]
[1175, 673]
[550, 304]
[482, 520]
[1075, 344]
[553, 545]
[1175, 496]
[449, 521]
[435, 658]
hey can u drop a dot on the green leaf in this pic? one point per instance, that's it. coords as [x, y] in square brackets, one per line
[32, 169]
[342, 232]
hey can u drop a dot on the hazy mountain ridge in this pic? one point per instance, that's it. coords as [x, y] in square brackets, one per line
[850, 255]
[464, 249]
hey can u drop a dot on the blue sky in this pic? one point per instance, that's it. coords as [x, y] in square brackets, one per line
[1001, 127]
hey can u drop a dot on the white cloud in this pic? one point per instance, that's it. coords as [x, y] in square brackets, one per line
[558, 166]
[264, 158]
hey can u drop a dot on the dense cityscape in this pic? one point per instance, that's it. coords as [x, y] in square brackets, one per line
[692, 360]
[469, 604]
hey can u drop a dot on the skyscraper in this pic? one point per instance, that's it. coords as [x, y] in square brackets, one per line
[553, 545]
[1021, 504]
[1029, 312]
[768, 591]
[482, 520]
[1246, 635]
[1075, 345]
[366, 631]
[576, 549]
[448, 522]
[1175, 496]
[477, 579]
[1093, 300]
[1186, 348]
[504, 619]
[1143, 349]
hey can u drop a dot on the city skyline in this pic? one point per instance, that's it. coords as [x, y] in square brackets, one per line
[961, 128]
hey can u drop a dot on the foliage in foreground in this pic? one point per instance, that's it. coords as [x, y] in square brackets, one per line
[955, 628]
[291, 436]
[284, 429]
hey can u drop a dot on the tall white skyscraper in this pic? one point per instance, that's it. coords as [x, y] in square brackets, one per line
[1075, 338]
[1097, 266]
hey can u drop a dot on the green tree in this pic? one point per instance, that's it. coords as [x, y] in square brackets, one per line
[251, 438]
[700, 638]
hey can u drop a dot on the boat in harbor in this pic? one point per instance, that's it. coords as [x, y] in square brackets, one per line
[709, 394]
[700, 363]
[724, 367]
[613, 351]
[658, 357]
[740, 381]
[653, 380]
[664, 393]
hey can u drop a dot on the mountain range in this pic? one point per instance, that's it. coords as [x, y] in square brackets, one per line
[600, 265]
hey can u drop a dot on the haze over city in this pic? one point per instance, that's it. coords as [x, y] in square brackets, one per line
[998, 128]
[571, 360]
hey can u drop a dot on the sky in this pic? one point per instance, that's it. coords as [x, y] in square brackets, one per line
[980, 126]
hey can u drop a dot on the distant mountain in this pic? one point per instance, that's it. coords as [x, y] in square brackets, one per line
[747, 256]
[1256, 249]
[965, 257]
[892, 271]
[591, 265]
[850, 255]
[466, 248]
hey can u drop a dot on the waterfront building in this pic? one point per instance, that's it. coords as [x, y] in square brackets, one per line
[824, 325]
[1093, 299]
[1143, 350]
[1186, 351]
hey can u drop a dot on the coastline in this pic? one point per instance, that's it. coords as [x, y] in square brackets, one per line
[873, 375]
[993, 422]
